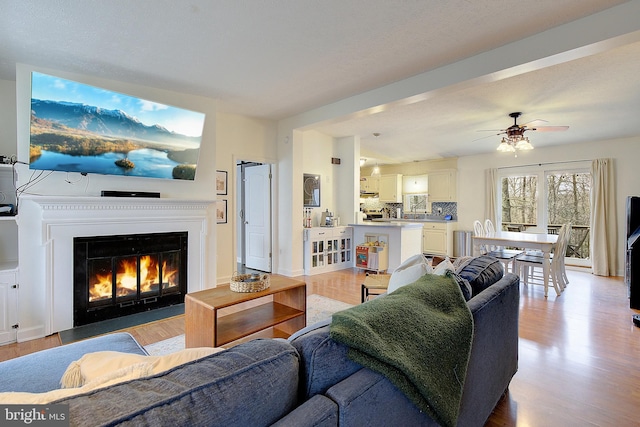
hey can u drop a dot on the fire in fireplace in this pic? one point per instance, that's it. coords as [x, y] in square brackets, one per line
[120, 275]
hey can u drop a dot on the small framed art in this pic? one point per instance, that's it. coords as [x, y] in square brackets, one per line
[221, 183]
[221, 212]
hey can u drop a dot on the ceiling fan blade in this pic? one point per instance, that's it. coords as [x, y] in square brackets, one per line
[534, 123]
[550, 128]
[488, 136]
[491, 130]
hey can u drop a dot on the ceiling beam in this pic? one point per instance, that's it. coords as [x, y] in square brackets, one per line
[593, 34]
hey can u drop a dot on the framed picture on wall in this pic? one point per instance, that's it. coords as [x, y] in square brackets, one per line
[221, 183]
[311, 187]
[221, 212]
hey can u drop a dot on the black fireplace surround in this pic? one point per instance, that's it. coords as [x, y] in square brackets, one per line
[126, 274]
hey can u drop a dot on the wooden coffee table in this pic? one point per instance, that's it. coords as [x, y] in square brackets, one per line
[282, 313]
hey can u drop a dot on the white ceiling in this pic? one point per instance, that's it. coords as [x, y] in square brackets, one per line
[278, 59]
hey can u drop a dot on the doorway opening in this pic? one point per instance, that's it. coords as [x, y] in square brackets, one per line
[254, 221]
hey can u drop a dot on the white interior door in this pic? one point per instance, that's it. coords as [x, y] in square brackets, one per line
[257, 216]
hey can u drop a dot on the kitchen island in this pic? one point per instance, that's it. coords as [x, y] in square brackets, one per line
[437, 233]
[403, 239]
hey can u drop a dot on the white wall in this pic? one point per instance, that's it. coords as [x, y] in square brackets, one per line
[340, 186]
[8, 229]
[317, 152]
[625, 152]
[240, 138]
[347, 179]
[8, 118]
[414, 168]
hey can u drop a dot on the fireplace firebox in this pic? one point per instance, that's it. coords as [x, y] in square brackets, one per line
[126, 274]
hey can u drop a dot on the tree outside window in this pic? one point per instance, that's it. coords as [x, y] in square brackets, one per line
[519, 201]
[567, 200]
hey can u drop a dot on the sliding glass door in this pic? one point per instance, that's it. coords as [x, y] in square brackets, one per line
[541, 198]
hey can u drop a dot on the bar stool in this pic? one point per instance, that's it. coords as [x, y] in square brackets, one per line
[378, 283]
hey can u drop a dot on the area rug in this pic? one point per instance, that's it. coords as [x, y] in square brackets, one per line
[318, 308]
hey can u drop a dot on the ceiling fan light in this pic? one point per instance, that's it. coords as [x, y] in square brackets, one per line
[505, 147]
[524, 144]
[362, 161]
[375, 171]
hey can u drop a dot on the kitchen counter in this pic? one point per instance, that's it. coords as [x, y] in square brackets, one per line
[411, 220]
[386, 223]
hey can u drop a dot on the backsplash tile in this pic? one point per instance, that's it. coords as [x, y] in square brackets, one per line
[448, 208]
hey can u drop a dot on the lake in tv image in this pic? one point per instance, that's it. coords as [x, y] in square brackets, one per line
[148, 163]
[80, 128]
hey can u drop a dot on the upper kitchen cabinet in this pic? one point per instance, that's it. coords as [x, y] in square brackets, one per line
[442, 186]
[390, 189]
[369, 184]
[415, 184]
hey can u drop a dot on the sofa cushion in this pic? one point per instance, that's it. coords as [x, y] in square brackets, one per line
[409, 271]
[95, 365]
[464, 284]
[444, 266]
[481, 272]
[254, 383]
[41, 371]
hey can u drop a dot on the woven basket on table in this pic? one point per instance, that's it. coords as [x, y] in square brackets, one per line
[249, 282]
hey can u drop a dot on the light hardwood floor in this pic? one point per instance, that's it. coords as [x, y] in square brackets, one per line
[579, 356]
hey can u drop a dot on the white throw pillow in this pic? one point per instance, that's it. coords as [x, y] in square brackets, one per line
[409, 271]
[442, 268]
[105, 368]
[95, 365]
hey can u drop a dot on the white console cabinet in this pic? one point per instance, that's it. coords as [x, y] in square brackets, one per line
[8, 304]
[8, 261]
[327, 249]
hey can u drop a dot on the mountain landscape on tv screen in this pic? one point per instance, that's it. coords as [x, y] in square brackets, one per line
[77, 137]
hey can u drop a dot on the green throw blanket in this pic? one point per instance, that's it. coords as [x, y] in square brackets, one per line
[419, 337]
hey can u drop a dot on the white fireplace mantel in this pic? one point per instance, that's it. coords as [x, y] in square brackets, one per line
[48, 224]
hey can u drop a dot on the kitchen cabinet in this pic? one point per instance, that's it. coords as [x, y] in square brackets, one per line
[437, 238]
[415, 184]
[390, 189]
[442, 186]
[327, 249]
[369, 184]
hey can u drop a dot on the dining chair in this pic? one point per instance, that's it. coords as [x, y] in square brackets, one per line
[506, 256]
[530, 270]
[478, 230]
[564, 234]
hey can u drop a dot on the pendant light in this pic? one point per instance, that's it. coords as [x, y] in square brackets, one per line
[376, 169]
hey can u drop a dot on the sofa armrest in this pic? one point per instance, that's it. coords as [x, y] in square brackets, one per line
[494, 349]
[41, 371]
[319, 411]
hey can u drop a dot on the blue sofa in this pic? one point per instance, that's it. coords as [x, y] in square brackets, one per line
[307, 380]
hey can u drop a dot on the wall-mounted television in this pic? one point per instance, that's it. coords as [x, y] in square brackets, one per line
[76, 127]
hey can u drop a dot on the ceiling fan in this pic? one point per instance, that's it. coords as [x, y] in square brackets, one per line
[516, 131]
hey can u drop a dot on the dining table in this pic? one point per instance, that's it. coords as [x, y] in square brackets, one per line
[515, 239]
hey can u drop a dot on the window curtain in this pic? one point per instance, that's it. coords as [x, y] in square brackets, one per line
[603, 241]
[491, 197]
